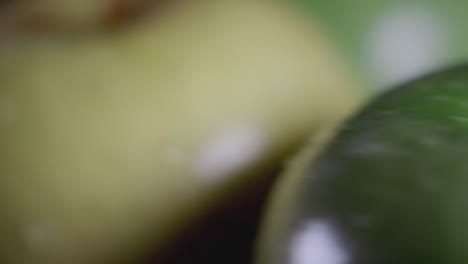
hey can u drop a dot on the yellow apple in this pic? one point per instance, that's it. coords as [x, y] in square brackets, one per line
[111, 142]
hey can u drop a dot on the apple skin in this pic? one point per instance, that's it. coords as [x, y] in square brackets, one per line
[112, 142]
[390, 42]
[389, 187]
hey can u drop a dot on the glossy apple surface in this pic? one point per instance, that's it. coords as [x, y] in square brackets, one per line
[390, 187]
[112, 142]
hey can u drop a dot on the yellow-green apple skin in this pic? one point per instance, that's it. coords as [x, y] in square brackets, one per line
[111, 142]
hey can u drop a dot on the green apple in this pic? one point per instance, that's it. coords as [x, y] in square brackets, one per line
[112, 142]
[390, 187]
[390, 42]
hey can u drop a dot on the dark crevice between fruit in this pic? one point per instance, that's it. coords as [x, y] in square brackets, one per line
[226, 234]
[3, 3]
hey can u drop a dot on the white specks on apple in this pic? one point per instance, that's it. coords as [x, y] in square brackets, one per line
[37, 235]
[232, 149]
[8, 111]
[404, 43]
[317, 243]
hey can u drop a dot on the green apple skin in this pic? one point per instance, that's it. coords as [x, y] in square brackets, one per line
[389, 186]
[391, 42]
[110, 143]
